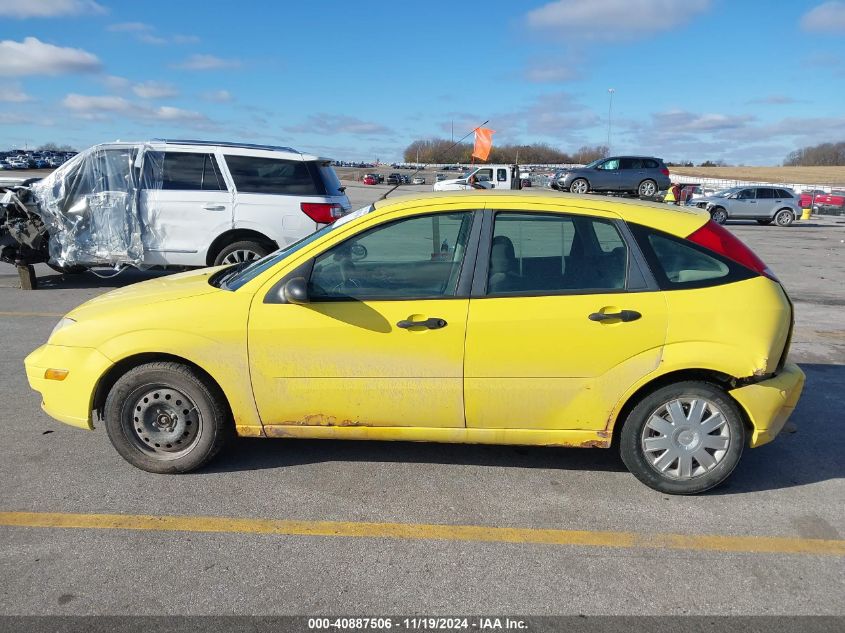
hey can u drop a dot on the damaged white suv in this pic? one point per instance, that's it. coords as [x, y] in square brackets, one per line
[169, 203]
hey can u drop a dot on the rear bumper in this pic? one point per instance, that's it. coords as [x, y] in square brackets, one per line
[768, 404]
[69, 400]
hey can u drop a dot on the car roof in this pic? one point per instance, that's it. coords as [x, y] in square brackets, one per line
[677, 220]
[248, 148]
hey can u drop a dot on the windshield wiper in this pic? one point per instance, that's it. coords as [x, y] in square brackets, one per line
[226, 274]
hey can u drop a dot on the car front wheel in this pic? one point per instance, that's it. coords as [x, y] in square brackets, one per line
[719, 215]
[683, 438]
[579, 185]
[784, 217]
[166, 418]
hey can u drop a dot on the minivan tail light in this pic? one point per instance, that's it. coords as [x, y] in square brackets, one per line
[719, 240]
[322, 212]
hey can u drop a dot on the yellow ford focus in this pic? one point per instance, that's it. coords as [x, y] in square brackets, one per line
[498, 317]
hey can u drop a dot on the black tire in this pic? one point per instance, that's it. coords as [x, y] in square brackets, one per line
[764, 222]
[784, 217]
[633, 438]
[578, 183]
[231, 253]
[647, 189]
[205, 428]
[719, 215]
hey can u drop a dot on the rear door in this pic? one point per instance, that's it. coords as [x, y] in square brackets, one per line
[632, 172]
[185, 203]
[767, 202]
[561, 322]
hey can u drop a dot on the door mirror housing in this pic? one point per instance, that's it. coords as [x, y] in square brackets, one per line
[296, 291]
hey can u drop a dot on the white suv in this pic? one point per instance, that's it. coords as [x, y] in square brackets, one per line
[183, 203]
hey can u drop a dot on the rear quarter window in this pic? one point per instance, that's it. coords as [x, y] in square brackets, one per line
[255, 174]
[679, 264]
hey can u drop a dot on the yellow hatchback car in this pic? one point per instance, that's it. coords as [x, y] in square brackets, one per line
[478, 317]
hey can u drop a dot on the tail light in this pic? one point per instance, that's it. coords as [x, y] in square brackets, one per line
[664, 171]
[719, 240]
[322, 212]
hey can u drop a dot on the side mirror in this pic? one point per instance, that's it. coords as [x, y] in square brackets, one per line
[296, 291]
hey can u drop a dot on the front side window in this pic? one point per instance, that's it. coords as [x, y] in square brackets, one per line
[745, 194]
[610, 165]
[551, 253]
[255, 174]
[415, 258]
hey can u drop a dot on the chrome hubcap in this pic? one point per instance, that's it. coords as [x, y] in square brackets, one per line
[240, 255]
[685, 438]
[165, 422]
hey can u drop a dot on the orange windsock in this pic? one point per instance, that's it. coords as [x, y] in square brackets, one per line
[483, 143]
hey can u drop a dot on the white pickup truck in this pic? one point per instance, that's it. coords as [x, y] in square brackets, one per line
[484, 177]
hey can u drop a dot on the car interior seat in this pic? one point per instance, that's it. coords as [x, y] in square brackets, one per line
[504, 267]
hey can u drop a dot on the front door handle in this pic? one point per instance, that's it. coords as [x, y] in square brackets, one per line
[623, 315]
[434, 323]
[214, 207]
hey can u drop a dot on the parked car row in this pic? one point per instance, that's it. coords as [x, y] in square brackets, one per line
[16, 159]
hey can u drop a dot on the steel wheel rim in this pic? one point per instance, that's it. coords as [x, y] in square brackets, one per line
[165, 422]
[686, 438]
[579, 186]
[647, 188]
[241, 255]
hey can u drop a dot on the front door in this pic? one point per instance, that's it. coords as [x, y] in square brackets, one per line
[565, 326]
[744, 205]
[381, 340]
[606, 176]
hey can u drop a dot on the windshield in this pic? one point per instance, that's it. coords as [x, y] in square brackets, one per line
[724, 193]
[593, 164]
[235, 276]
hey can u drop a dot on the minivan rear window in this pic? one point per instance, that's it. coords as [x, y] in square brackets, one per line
[255, 174]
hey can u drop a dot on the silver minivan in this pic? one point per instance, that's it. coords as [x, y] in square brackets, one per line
[764, 204]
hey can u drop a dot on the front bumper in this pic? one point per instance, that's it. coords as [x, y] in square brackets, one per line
[769, 403]
[69, 400]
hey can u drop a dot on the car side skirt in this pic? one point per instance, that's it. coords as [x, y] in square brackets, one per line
[527, 437]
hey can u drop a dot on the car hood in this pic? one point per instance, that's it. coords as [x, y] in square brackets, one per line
[181, 286]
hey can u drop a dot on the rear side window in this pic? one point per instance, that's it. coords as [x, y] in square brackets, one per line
[183, 171]
[650, 163]
[783, 193]
[764, 193]
[678, 264]
[254, 174]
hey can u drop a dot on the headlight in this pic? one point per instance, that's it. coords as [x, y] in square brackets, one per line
[61, 325]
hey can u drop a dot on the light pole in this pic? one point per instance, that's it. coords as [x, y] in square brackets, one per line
[609, 115]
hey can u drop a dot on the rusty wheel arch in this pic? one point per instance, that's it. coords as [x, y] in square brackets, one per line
[113, 374]
[710, 376]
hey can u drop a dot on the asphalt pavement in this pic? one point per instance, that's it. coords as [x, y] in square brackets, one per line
[304, 527]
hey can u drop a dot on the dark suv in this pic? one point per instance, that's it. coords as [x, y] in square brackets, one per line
[642, 175]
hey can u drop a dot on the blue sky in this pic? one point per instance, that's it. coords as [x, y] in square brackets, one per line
[742, 81]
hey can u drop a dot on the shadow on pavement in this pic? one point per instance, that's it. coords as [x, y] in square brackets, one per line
[104, 278]
[810, 455]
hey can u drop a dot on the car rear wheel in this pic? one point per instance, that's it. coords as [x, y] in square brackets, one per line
[647, 188]
[238, 252]
[719, 215]
[784, 217]
[683, 438]
[165, 418]
[579, 185]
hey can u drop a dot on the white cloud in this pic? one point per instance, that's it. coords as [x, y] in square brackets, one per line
[13, 93]
[47, 8]
[217, 96]
[207, 62]
[614, 19]
[677, 121]
[155, 90]
[551, 74]
[828, 17]
[339, 124]
[99, 107]
[147, 34]
[34, 57]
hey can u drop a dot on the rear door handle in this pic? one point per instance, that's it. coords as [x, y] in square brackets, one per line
[624, 316]
[434, 323]
[213, 207]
